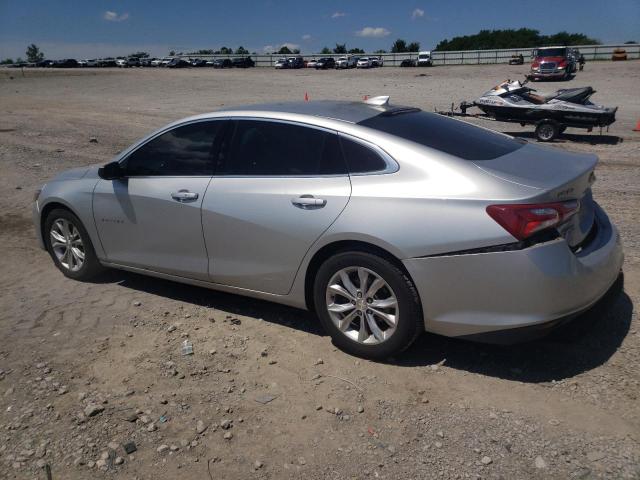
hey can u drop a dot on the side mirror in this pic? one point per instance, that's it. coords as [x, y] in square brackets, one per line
[111, 171]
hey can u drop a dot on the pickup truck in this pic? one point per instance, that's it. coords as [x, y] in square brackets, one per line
[552, 63]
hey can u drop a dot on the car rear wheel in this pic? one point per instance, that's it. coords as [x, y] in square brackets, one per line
[367, 304]
[69, 245]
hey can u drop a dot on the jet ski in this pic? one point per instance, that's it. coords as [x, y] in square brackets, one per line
[513, 101]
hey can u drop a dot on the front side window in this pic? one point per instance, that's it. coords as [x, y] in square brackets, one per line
[264, 148]
[182, 151]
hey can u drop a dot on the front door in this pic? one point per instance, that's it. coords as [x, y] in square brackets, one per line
[278, 186]
[151, 218]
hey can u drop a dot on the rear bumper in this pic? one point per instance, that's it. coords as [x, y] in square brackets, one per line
[471, 294]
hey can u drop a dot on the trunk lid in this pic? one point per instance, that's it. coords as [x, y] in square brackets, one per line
[557, 176]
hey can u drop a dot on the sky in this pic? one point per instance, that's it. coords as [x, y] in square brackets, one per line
[93, 28]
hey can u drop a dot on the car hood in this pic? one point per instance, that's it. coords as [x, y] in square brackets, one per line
[549, 59]
[77, 173]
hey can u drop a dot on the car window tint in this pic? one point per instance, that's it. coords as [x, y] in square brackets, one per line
[181, 151]
[261, 148]
[360, 158]
[447, 135]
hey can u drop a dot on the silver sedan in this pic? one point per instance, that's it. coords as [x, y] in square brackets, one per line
[384, 220]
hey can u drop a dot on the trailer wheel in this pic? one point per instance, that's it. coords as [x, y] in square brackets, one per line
[547, 130]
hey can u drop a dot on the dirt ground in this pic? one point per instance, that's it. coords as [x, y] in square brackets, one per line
[88, 367]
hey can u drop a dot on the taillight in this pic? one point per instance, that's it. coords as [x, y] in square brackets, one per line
[523, 220]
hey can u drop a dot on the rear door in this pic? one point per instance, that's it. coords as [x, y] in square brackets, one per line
[151, 218]
[278, 186]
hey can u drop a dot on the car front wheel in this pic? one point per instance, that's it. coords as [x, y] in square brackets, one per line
[69, 245]
[367, 304]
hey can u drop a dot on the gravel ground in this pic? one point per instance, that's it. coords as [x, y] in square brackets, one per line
[86, 368]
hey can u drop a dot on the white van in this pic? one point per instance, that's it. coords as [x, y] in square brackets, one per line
[424, 59]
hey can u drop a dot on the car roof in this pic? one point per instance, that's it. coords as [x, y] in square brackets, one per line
[352, 112]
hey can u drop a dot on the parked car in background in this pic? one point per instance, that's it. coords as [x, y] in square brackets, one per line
[45, 63]
[556, 63]
[408, 62]
[516, 59]
[312, 63]
[107, 62]
[133, 62]
[295, 62]
[377, 61]
[364, 62]
[220, 63]
[619, 55]
[166, 61]
[146, 62]
[156, 62]
[121, 62]
[281, 64]
[178, 63]
[198, 62]
[347, 62]
[65, 63]
[424, 59]
[88, 63]
[326, 62]
[479, 236]
[243, 62]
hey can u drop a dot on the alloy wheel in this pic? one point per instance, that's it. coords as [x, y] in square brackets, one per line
[362, 305]
[67, 245]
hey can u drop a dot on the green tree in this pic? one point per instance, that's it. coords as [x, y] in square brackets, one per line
[172, 53]
[6, 61]
[225, 51]
[296, 51]
[241, 50]
[284, 50]
[340, 48]
[399, 46]
[356, 50]
[34, 54]
[413, 47]
[325, 51]
[380, 51]
[630, 42]
[140, 55]
[510, 38]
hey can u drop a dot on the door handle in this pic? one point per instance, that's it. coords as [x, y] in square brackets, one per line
[184, 196]
[308, 202]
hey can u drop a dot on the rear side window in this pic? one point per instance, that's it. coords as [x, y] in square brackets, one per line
[182, 151]
[264, 148]
[444, 134]
[360, 158]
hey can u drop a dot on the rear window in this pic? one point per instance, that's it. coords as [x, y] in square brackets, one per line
[444, 134]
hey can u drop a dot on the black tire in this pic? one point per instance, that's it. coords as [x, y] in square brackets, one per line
[410, 323]
[91, 265]
[547, 130]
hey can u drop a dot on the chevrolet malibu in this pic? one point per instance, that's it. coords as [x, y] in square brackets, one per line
[386, 221]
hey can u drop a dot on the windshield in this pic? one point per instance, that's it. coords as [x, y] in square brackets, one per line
[551, 52]
[423, 56]
[445, 134]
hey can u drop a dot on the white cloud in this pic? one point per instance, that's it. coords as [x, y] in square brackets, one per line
[417, 13]
[338, 15]
[306, 36]
[275, 48]
[375, 32]
[114, 17]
